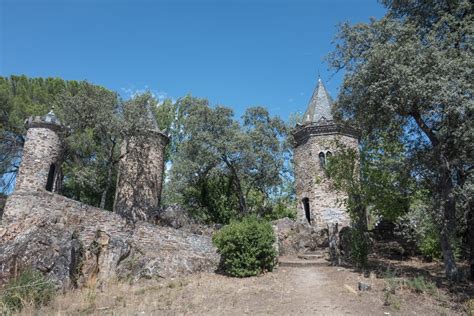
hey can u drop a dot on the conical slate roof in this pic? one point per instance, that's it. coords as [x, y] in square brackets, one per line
[319, 106]
[151, 118]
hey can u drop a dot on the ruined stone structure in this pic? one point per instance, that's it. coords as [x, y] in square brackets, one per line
[316, 139]
[140, 178]
[76, 244]
[42, 155]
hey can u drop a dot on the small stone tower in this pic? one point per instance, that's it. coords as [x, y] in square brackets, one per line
[40, 167]
[316, 139]
[141, 168]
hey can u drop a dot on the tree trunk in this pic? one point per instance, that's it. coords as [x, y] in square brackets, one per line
[110, 165]
[103, 197]
[470, 239]
[447, 207]
[446, 203]
[237, 185]
[240, 194]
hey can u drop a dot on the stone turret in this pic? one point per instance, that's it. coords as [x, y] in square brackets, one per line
[141, 168]
[40, 167]
[316, 139]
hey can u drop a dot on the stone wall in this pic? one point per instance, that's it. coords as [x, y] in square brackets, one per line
[311, 181]
[76, 244]
[3, 200]
[140, 177]
[43, 148]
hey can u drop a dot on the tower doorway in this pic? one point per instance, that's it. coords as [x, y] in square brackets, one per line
[49, 183]
[307, 211]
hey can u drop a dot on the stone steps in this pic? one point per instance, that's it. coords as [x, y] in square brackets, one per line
[310, 259]
[294, 262]
[312, 256]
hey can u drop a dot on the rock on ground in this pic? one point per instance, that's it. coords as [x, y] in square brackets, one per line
[295, 237]
[177, 217]
[76, 244]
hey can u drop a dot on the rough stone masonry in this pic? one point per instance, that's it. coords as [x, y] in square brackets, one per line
[77, 244]
[316, 140]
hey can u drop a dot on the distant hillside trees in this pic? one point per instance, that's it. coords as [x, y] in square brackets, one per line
[408, 79]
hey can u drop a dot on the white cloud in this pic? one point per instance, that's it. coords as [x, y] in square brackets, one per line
[132, 91]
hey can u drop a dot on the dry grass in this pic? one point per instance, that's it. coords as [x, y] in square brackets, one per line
[286, 291]
[117, 298]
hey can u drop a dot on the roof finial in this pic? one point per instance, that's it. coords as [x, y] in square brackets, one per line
[51, 111]
[319, 76]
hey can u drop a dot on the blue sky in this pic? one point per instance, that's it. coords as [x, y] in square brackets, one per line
[238, 53]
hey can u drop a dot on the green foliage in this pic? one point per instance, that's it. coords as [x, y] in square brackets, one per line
[343, 169]
[360, 248]
[215, 199]
[91, 113]
[420, 285]
[246, 247]
[408, 79]
[98, 122]
[281, 208]
[391, 286]
[92, 145]
[224, 169]
[429, 244]
[30, 288]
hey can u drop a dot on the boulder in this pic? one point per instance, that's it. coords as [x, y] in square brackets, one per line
[177, 217]
[364, 286]
[295, 237]
[173, 216]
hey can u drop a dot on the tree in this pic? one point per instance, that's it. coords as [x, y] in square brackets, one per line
[410, 73]
[376, 183]
[221, 165]
[95, 127]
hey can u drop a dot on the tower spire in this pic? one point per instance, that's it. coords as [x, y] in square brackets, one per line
[150, 117]
[320, 105]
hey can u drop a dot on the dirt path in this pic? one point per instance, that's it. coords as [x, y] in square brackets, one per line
[286, 291]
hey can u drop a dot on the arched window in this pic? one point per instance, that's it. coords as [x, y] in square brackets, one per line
[49, 183]
[322, 160]
[307, 211]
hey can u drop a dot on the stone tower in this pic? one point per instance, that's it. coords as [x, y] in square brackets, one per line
[316, 139]
[140, 177]
[40, 167]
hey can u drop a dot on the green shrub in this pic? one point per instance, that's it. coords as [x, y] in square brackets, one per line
[280, 210]
[429, 247]
[30, 288]
[246, 247]
[420, 285]
[428, 241]
[360, 248]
